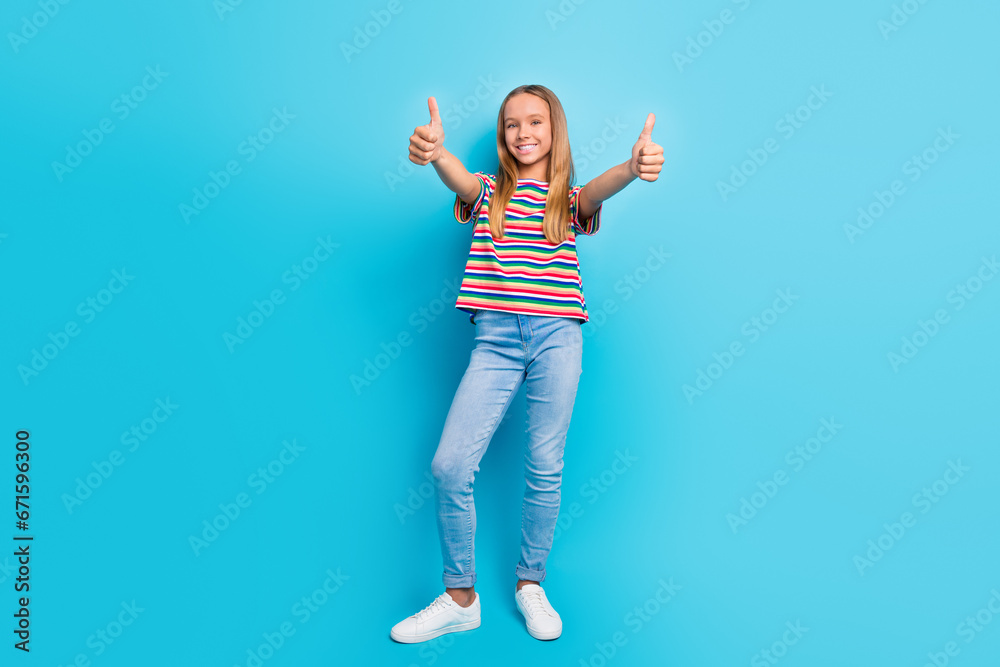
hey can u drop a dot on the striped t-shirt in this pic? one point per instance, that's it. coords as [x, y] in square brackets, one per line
[522, 272]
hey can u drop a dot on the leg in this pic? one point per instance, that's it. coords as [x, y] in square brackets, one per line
[495, 372]
[553, 374]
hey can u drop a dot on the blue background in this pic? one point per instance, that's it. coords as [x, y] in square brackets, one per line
[350, 501]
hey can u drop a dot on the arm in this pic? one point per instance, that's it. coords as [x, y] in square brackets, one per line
[454, 175]
[646, 163]
[603, 187]
[427, 145]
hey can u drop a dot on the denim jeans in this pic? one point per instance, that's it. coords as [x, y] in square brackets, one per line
[511, 348]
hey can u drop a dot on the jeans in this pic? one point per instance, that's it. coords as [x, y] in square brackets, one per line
[511, 348]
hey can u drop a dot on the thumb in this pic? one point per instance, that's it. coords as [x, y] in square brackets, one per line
[432, 105]
[647, 129]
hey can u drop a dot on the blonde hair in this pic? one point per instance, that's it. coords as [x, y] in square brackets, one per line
[560, 173]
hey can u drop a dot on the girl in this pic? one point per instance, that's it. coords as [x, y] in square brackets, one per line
[523, 290]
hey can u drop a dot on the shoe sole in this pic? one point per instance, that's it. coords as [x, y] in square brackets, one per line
[414, 639]
[544, 636]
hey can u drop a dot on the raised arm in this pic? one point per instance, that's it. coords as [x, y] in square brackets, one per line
[646, 163]
[427, 145]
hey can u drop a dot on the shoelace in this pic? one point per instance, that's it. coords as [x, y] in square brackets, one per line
[533, 601]
[438, 605]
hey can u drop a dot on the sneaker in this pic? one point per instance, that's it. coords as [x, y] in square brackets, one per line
[439, 617]
[542, 620]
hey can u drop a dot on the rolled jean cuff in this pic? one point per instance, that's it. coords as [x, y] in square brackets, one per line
[524, 574]
[459, 580]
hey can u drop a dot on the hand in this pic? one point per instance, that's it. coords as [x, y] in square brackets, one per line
[647, 157]
[427, 140]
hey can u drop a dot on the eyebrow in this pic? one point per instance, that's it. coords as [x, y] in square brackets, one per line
[534, 115]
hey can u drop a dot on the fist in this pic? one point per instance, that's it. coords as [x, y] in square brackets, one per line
[427, 140]
[647, 157]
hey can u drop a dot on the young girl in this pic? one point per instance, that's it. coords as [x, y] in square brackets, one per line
[523, 290]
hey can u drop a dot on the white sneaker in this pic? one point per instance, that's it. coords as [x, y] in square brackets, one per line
[439, 617]
[542, 620]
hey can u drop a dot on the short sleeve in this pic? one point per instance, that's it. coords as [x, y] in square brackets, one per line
[591, 224]
[468, 212]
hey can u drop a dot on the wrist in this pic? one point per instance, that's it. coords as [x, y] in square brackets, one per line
[631, 173]
[441, 154]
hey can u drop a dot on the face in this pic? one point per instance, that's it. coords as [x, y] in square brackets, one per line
[528, 133]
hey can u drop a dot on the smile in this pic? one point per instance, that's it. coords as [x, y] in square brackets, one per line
[524, 149]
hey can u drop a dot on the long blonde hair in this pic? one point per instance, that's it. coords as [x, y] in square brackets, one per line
[560, 173]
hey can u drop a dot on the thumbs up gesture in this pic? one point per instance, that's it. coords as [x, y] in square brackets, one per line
[647, 157]
[427, 140]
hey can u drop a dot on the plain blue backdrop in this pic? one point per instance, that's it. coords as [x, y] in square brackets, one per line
[784, 445]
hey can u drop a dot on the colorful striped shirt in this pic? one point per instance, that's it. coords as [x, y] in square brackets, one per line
[522, 272]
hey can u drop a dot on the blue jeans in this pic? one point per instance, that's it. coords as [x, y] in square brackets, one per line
[510, 349]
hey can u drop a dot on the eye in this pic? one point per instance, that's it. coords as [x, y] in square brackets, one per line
[537, 121]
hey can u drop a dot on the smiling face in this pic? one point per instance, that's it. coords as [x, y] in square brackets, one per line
[528, 133]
